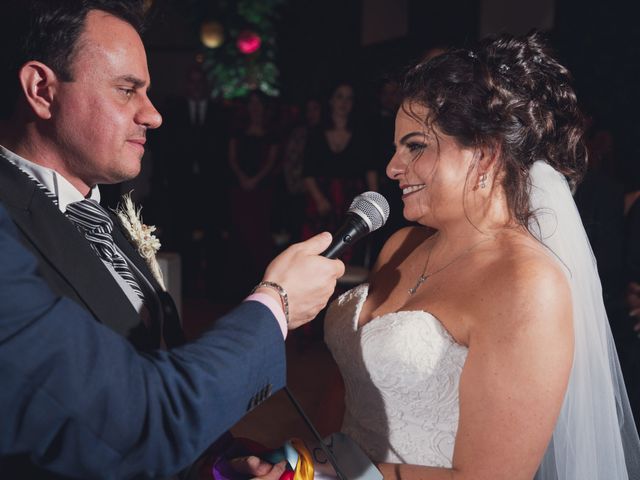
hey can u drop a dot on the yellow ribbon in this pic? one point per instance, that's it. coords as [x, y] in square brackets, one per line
[304, 467]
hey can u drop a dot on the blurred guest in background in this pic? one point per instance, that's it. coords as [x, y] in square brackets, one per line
[293, 204]
[383, 125]
[337, 165]
[252, 157]
[191, 176]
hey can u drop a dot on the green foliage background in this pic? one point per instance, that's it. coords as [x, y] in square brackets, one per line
[232, 73]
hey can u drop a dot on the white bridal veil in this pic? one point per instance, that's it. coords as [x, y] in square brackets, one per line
[595, 437]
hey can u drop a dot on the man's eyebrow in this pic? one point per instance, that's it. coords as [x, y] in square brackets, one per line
[133, 80]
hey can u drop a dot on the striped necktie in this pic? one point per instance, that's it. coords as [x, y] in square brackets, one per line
[96, 225]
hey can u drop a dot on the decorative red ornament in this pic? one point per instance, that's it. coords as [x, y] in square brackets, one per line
[248, 42]
[288, 475]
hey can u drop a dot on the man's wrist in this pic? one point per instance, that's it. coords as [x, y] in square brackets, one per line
[280, 291]
[271, 300]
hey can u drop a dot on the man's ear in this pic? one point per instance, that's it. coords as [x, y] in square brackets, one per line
[38, 83]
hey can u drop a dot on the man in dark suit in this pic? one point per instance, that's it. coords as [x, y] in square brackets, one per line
[79, 400]
[74, 113]
[64, 374]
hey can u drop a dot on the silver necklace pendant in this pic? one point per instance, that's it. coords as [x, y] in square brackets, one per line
[421, 279]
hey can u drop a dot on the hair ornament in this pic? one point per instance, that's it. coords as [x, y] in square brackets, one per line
[503, 67]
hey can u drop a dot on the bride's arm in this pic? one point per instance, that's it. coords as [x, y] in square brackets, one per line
[514, 379]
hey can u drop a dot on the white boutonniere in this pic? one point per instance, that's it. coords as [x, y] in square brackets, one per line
[140, 235]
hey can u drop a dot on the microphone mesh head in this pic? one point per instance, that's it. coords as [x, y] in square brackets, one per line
[372, 207]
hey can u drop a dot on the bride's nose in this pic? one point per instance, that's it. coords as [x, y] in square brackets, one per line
[395, 168]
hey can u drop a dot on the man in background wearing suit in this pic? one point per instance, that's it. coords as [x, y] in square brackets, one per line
[74, 113]
[191, 149]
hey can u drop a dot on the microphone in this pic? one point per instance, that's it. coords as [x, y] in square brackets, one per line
[367, 213]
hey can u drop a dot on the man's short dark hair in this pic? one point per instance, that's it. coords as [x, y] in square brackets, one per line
[48, 31]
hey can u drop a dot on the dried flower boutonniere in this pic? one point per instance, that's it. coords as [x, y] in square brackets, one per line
[141, 235]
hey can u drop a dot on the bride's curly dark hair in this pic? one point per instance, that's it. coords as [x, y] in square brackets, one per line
[511, 93]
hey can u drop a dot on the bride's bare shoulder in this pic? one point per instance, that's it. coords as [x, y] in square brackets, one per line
[523, 282]
[528, 262]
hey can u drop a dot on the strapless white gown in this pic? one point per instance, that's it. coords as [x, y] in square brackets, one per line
[401, 373]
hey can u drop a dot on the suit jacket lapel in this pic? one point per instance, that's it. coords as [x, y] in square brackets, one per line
[59, 243]
[164, 309]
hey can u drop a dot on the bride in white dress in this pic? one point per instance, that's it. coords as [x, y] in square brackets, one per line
[482, 351]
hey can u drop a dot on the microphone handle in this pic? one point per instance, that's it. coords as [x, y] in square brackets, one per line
[353, 229]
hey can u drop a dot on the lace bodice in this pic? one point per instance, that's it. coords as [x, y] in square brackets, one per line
[401, 373]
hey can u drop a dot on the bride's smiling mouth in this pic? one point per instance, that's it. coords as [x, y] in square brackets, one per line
[409, 189]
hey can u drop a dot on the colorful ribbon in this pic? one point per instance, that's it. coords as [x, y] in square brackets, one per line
[298, 457]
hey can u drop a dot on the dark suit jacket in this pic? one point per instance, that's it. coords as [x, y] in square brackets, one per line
[183, 146]
[190, 168]
[82, 402]
[72, 269]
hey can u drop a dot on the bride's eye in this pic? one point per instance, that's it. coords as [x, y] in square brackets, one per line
[416, 147]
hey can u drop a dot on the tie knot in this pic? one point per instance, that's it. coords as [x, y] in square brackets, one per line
[88, 215]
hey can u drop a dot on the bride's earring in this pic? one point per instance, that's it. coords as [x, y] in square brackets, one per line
[483, 180]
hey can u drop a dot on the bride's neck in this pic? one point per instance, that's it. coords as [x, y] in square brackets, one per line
[487, 221]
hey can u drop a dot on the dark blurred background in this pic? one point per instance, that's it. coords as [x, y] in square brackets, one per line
[321, 41]
[366, 39]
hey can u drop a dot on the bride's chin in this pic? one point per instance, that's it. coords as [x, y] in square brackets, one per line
[408, 216]
[411, 215]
